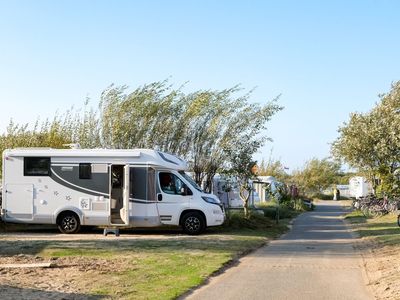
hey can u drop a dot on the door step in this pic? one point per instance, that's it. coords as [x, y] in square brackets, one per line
[115, 231]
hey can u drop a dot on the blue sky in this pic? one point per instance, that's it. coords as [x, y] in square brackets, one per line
[326, 58]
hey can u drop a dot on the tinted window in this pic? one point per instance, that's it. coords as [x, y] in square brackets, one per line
[142, 183]
[36, 166]
[138, 183]
[85, 171]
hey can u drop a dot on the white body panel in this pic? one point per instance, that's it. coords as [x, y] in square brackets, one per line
[40, 199]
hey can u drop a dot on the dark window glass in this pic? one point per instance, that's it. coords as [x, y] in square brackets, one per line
[85, 171]
[138, 183]
[142, 183]
[36, 166]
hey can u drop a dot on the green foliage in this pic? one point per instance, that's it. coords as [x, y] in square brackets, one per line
[369, 142]
[316, 175]
[237, 220]
[273, 168]
[72, 127]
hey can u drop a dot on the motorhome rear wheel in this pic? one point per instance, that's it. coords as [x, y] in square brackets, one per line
[68, 222]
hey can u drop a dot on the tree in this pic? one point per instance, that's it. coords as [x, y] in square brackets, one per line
[370, 142]
[273, 168]
[241, 164]
[317, 175]
[198, 126]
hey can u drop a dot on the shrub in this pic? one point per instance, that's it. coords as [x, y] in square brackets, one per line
[237, 220]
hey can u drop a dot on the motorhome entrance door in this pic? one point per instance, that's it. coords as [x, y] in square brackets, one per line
[119, 194]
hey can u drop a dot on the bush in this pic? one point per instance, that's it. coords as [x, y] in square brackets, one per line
[237, 220]
[284, 212]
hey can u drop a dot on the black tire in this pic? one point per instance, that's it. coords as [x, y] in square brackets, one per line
[398, 220]
[68, 222]
[193, 223]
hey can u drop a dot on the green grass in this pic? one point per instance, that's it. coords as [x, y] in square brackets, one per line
[384, 230]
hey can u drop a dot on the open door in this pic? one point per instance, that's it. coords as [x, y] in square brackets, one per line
[119, 194]
[125, 196]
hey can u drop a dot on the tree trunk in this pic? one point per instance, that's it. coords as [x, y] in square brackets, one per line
[246, 210]
[244, 194]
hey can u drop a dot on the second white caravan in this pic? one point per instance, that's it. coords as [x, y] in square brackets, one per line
[122, 188]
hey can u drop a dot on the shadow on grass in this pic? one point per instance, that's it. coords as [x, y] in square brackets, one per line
[214, 241]
[10, 293]
[356, 219]
[379, 229]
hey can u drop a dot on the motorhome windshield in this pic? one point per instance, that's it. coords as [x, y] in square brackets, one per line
[190, 180]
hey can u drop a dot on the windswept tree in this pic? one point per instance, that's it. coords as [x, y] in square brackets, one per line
[198, 126]
[240, 150]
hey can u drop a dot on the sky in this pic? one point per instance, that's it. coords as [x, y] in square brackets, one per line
[326, 59]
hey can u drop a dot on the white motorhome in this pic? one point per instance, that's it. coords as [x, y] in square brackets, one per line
[121, 188]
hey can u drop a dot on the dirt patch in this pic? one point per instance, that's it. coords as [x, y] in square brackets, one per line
[70, 278]
[382, 266]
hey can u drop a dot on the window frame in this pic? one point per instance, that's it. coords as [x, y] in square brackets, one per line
[26, 158]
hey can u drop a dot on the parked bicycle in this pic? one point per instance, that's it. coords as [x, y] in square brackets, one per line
[371, 206]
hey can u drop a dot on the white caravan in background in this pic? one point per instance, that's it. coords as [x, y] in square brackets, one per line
[121, 188]
[359, 187]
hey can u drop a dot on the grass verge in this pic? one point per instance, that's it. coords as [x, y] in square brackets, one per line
[383, 230]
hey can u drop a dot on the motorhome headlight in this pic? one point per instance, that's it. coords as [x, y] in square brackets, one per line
[211, 200]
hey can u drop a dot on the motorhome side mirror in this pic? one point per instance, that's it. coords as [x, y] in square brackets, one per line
[183, 191]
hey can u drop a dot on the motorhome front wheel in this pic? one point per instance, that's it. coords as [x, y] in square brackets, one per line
[193, 223]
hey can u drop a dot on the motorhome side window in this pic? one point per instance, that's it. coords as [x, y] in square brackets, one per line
[85, 171]
[36, 166]
[171, 184]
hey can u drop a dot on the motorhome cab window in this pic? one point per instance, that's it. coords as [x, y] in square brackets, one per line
[85, 171]
[171, 184]
[36, 166]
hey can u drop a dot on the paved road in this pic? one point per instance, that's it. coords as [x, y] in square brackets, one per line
[315, 260]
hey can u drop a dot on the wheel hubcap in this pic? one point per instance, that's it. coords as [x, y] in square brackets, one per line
[192, 224]
[69, 223]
